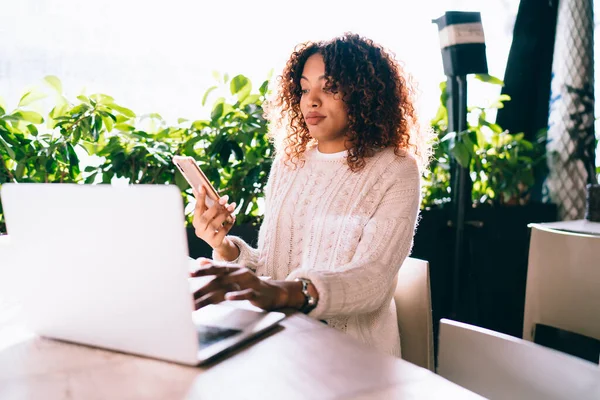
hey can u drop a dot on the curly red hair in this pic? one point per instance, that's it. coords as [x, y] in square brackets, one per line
[377, 92]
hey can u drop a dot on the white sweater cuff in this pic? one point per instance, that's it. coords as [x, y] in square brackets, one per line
[325, 287]
[246, 253]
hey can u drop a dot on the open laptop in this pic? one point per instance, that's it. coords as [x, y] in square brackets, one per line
[108, 266]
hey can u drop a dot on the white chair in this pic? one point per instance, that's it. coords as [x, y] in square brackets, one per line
[563, 282]
[413, 306]
[499, 366]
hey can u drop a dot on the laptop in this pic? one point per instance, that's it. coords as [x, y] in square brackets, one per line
[108, 266]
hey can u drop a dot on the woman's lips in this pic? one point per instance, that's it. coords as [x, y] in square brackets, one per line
[314, 120]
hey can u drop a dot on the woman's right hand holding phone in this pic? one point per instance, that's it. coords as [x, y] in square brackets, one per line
[212, 224]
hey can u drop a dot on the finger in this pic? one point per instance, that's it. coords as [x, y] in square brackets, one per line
[246, 294]
[231, 217]
[243, 277]
[207, 218]
[223, 200]
[200, 194]
[231, 207]
[221, 220]
[203, 261]
[211, 298]
[214, 285]
[200, 262]
[221, 233]
[215, 269]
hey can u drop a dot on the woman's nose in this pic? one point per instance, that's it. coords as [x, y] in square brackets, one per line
[313, 99]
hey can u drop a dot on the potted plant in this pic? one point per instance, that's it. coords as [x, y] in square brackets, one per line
[34, 149]
[504, 167]
[231, 146]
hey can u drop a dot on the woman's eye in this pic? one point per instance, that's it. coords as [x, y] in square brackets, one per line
[303, 91]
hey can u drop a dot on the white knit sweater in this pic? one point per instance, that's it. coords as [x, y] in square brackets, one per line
[348, 232]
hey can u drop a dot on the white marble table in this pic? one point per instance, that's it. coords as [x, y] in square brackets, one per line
[302, 359]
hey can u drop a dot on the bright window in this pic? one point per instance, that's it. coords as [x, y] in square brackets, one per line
[159, 56]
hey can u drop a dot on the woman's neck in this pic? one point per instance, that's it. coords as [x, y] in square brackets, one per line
[331, 147]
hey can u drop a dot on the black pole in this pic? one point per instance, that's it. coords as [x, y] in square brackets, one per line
[462, 195]
[462, 45]
[453, 118]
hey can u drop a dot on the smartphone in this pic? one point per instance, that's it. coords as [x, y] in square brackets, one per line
[196, 178]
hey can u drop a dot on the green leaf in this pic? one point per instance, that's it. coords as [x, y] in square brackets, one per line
[481, 139]
[237, 150]
[102, 99]
[216, 75]
[469, 145]
[238, 83]
[461, 154]
[494, 127]
[489, 79]
[32, 129]
[264, 88]
[217, 112]
[59, 110]
[208, 91]
[97, 126]
[73, 159]
[30, 97]
[54, 83]
[440, 116]
[9, 149]
[108, 123]
[124, 127]
[90, 179]
[252, 99]
[20, 171]
[526, 145]
[120, 118]
[30, 116]
[125, 111]
[443, 93]
[76, 134]
[83, 99]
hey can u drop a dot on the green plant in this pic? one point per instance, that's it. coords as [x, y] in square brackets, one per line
[36, 150]
[231, 145]
[436, 182]
[235, 146]
[502, 166]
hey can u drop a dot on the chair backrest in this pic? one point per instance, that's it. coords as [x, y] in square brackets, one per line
[499, 366]
[413, 307]
[563, 279]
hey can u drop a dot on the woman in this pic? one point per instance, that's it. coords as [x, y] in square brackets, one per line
[342, 197]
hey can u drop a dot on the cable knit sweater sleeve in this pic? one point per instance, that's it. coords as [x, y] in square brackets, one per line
[361, 286]
[248, 254]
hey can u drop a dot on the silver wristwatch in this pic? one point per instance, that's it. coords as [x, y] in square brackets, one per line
[309, 301]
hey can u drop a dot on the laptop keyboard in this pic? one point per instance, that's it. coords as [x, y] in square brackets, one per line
[208, 335]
